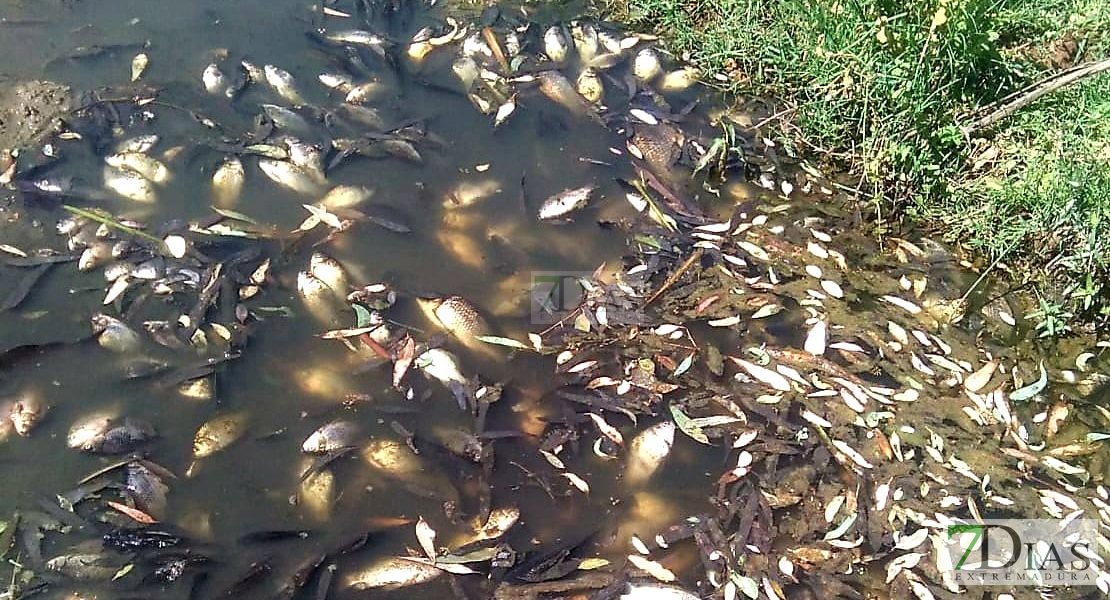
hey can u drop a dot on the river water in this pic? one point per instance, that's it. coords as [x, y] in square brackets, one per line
[461, 220]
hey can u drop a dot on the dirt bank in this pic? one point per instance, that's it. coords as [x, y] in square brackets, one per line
[27, 108]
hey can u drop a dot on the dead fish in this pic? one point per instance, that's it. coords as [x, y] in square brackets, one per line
[466, 69]
[555, 44]
[113, 334]
[213, 79]
[328, 270]
[362, 115]
[589, 85]
[26, 413]
[565, 202]
[286, 119]
[356, 37]
[366, 92]
[332, 436]
[455, 314]
[647, 451]
[560, 91]
[402, 149]
[94, 256]
[201, 389]
[440, 365]
[146, 488]
[218, 433]
[646, 65]
[308, 157]
[140, 143]
[289, 176]
[227, 182]
[88, 428]
[398, 462]
[345, 196]
[340, 82]
[143, 164]
[129, 184]
[391, 573]
[283, 83]
[321, 300]
[7, 428]
[83, 566]
[119, 437]
[317, 492]
[679, 79]
[586, 42]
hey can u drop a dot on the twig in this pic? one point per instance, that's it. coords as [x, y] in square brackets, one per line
[990, 268]
[108, 221]
[1012, 103]
[689, 262]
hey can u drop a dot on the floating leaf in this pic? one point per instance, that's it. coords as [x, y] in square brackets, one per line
[336, 334]
[501, 341]
[755, 251]
[1097, 437]
[134, 513]
[234, 214]
[480, 555]
[687, 426]
[362, 316]
[1027, 392]
[124, 570]
[748, 586]
[683, 366]
[767, 310]
[426, 536]
[590, 564]
[841, 529]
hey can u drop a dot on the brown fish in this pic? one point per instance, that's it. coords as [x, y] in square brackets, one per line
[562, 92]
[456, 315]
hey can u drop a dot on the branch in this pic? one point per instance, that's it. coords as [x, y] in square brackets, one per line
[1012, 103]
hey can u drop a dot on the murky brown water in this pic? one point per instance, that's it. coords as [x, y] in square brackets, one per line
[288, 381]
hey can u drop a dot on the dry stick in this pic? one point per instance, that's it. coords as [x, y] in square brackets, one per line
[695, 255]
[1012, 103]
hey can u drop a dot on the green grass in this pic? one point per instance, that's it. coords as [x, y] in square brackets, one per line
[880, 88]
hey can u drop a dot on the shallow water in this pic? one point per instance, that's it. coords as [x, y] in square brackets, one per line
[289, 381]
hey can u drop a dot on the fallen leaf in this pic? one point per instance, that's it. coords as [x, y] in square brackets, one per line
[134, 513]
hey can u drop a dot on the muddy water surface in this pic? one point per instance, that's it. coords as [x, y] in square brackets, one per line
[744, 488]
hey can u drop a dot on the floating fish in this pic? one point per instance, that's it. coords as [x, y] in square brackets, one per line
[564, 203]
[647, 452]
[331, 437]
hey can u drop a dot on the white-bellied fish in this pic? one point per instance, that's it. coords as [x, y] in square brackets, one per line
[283, 84]
[332, 436]
[227, 182]
[562, 204]
[390, 573]
[143, 164]
[647, 452]
[646, 65]
[213, 79]
[113, 334]
[290, 176]
[345, 196]
[555, 44]
[129, 184]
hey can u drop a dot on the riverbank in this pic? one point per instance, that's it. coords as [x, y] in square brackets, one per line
[904, 102]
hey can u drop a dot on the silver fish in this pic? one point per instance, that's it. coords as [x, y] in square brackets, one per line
[647, 451]
[227, 182]
[391, 573]
[147, 166]
[213, 79]
[113, 334]
[332, 436]
[139, 143]
[290, 176]
[129, 184]
[565, 202]
[283, 83]
[555, 44]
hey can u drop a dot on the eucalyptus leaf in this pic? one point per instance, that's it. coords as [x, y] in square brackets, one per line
[362, 316]
[841, 529]
[1027, 392]
[683, 366]
[234, 214]
[748, 586]
[687, 426]
[501, 341]
[1095, 436]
